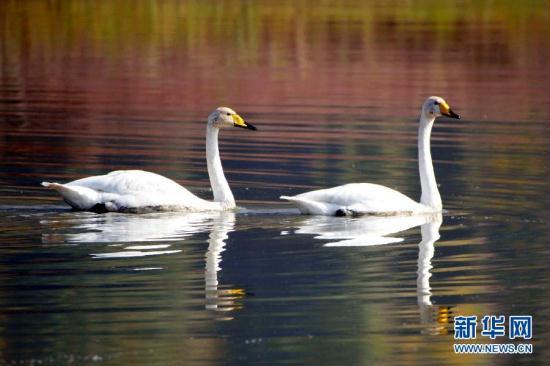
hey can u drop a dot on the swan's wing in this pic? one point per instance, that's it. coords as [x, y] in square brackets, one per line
[355, 198]
[126, 189]
[130, 181]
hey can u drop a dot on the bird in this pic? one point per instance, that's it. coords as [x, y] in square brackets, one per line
[138, 191]
[356, 199]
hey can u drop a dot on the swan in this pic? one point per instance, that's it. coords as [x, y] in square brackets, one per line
[140, 191]
[373, 199]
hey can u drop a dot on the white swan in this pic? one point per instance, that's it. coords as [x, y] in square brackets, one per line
[374, 199]
[141, 191]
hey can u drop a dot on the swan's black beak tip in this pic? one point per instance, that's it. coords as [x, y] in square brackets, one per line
[452, 114]
[246, 125]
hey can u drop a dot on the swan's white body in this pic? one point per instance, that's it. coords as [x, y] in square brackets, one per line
[141, 191]
[128, 190]
[356, 199]
[374, 199]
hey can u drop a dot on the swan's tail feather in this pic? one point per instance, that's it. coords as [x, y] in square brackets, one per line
[80, 198]
[309, 207]
[55, 186]
[288, 198]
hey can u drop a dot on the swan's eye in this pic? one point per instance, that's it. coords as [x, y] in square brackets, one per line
[436, 102]
[228, 113]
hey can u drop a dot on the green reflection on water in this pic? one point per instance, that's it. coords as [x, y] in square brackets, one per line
[243, 28]
[317, 61]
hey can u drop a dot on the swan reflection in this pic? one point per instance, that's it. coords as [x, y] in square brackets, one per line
[376, 230]
[216, 298]
[117, 228]
[151, 235]
[434, 318]
[363, 231]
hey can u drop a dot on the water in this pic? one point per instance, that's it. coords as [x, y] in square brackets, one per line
[86, 88]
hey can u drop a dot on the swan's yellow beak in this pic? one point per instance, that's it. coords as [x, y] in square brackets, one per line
[239, 122]
[447, 111]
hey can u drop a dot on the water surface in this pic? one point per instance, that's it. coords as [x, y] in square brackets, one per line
[335, 91]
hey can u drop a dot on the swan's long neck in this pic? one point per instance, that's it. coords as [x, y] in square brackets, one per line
[220, 187]
[430, 194]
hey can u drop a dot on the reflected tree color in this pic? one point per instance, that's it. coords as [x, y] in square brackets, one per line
[334, 87]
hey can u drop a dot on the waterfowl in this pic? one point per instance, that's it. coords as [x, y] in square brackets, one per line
[141, 191]
[373, 199]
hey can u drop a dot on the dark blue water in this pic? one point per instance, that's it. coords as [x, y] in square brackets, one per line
[335, 92]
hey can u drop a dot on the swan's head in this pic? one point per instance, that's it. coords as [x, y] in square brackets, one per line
[226, 117]
[436, 106]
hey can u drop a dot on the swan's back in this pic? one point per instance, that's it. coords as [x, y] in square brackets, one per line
[131, 181]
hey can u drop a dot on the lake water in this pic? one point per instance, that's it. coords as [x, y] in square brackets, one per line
[335, 90]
